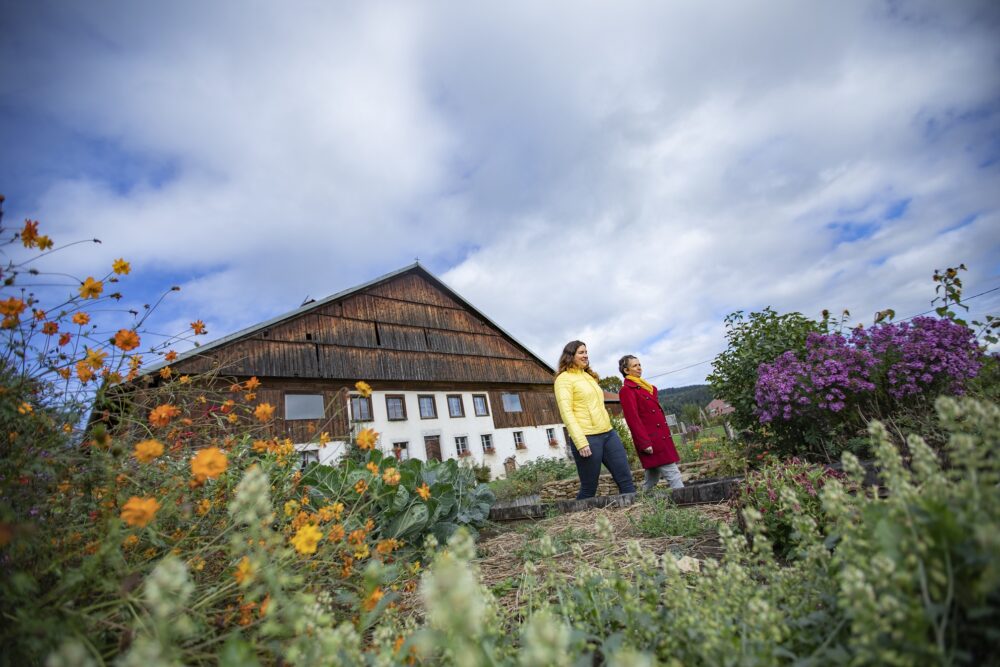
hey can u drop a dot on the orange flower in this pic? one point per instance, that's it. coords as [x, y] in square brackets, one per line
[235, 387]
[12, 307]
[372, 467]
[29, 235]
[357, 537]
[120, 266]
[373, 599]
[148, 450]
[130, 541]
[50, 328]
[198, 327]
[162, 414]
[361, 487]
[424, 491]
[139, 511]
[386, 547]
[209, 463]
[81, 318]
[252, 383]
[336, 532]
[265, 603]
[65, 372]
[170, 356]
[91, 289]
[126, 339]
[95, 358]
[204, 505]
[184, 379]
[264, 412]
[166, 372]
[367, 438]
[391, 476]
[306, 539]
[25, 408]
[39, 314]
[84, 372]
[64, 339]
[244, 571]
[363, 388]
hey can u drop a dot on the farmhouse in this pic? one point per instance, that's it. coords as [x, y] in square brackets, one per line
[447, 382]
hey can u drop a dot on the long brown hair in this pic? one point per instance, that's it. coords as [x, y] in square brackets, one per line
[566, 358]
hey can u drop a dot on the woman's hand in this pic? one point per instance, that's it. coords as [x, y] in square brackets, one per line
[585, 452]
[648, 450]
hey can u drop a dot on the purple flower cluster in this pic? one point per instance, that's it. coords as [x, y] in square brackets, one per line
[909, 357]
[833, 370]
[915, 356]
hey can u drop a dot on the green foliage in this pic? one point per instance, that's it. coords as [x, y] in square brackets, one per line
[456, 498]
[529, 479]
[752, 341]
[621, 427]
[659, 517]
[672, 399]
[691, 413]
[611, 383]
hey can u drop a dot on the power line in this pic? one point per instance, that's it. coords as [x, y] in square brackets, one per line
[678, 370]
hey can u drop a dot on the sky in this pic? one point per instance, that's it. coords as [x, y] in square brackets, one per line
[621, 173]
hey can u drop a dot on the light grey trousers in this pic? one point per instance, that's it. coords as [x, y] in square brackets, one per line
[672, 472]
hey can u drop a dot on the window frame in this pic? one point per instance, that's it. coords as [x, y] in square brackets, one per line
[482, 441]
[308, 457]
[322, 404]
[405, 450]
[519, 441]
[420, 407]
[402, 403]
[362, 399]
[462, 450]
[503, 402]
[486, 405]
[461, 406]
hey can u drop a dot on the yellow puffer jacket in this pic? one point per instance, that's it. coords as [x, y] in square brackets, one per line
[581, 404]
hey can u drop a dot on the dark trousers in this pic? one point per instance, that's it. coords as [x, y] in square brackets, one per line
[606, 449]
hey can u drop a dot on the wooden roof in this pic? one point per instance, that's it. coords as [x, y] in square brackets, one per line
[404, 326]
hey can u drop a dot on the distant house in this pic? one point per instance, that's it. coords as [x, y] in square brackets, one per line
[447, 381]
[613, 404]
[718, 407]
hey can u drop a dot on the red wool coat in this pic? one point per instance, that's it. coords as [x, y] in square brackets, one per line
[648, 425]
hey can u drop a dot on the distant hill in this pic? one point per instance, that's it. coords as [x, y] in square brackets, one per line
[672, 398]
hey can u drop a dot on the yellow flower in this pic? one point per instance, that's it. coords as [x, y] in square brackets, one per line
[324, 439]
[372, 467]
[363, 388]
[361, 487]
[264, 412]
[203, 506]
[306, 539]
[391, 476]
[120, 266]
[126, 339]
[162, 414]
[147, 450]
[209, 463]
[95, 358]
[12, 307]
[81, 319]
[367, 438]
[424, 491]
[291, 507]
[44, 242]
[244, 571]
[25, 408]
[130, 541]
[91, 289]
[139, 511]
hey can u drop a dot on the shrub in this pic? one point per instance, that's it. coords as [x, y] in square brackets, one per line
[531, 477]
[661, 518]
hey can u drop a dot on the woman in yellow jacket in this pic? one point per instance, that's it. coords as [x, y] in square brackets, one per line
[581, 404]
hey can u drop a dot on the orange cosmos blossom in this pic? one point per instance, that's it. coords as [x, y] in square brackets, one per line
[363, 388]
[95, 358]
[12, 307]
[29, 235]
[209, 463]
[64, 339]
[264, 412]
[50, 328]
[166, 372]
[391, 476]
[252, 383]
[91, 289]
[198, 327]
[147, 450]
[367, 438]
[162, 414]
[372, 467]
[81, 319]
[424, 491]
[84, 372]
[39, 314]
[361, 487]
[126, 339]
[372, 600]
[139, 511]
[120, 266]
[244, 571]
[170, 356]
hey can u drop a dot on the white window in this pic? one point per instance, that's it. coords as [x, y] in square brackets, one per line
[550, 435]
[307, 458]
[511, 402]
[361, 409]
[401, 450]
[487, 440]
[519, 440]
[428, 408]
[455, 406]
[462, 445]
[482, 408]
[303, 406]
[395, 407]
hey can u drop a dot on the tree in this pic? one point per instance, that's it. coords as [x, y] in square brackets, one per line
[611, 383]
[691, 413]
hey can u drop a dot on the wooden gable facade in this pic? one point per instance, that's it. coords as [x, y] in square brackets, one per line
[404, 331]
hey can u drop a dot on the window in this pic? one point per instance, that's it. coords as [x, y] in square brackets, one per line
[550, 435]
[487, 440]
[401, 450]
[462, 445]
[455, 407]
[480, 405]
[511, 402]
[307, 458]
[361, 409]
[395, 407]
[519, 440]
[428, 408]
[303, 406]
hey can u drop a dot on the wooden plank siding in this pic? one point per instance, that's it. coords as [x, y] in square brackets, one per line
[537, 408]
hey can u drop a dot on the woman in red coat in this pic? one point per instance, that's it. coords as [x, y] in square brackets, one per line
[648, 425]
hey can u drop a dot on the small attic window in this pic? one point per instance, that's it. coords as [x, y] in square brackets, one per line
[309, 336]
[265, 333]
